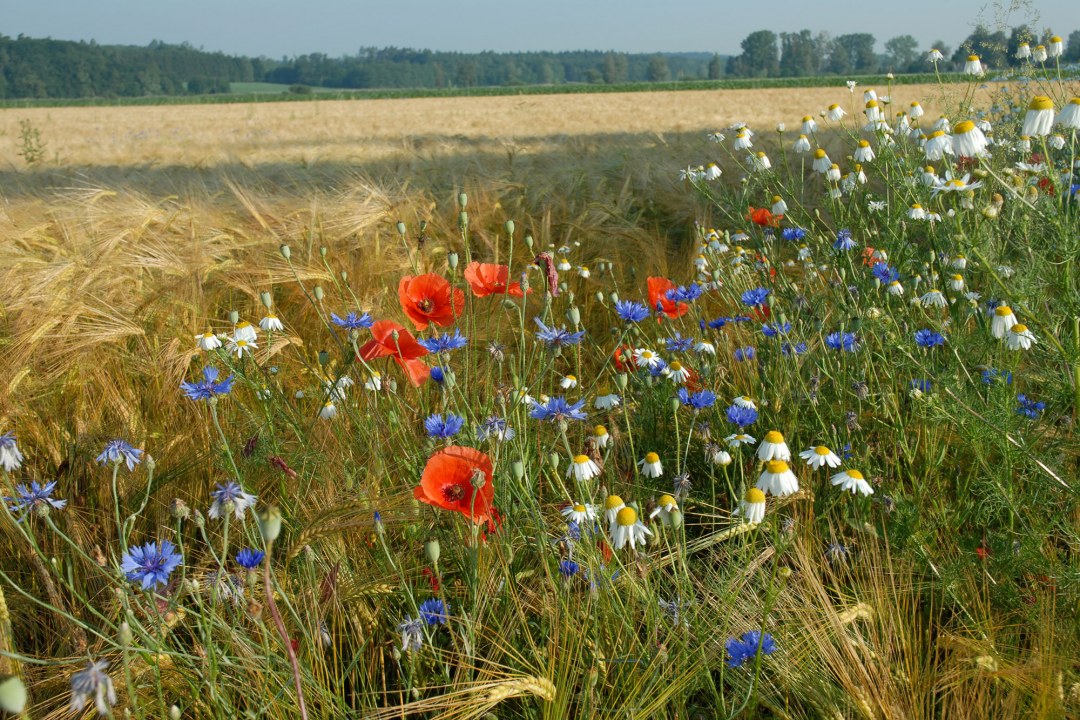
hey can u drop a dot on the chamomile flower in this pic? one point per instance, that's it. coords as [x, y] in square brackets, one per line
[864, 153]
[663, 509]
[271, 323]
[244, 331]
[779, 207]
[1019, 337]
[773, 447]
[627, 529]
[719, 456]
[973, 66]
[777, 479]
[968, 140]
[956, 283]
[1039, 118]
[809, 125]
[852, 481]
[821, 163]
[241, 347]
[677, 373]
[752, 506]
[208, 341]
[1003, 321]
[645, 358]
[1056, 48]
[607, 401]
[835, 112]
[801, 145]
[759, 162]
[374, 381]
[650, 465]
[583, 514]
[933, 298]
[328, 411]
[569, 382]
[819, 457]
[704, 347]
[895, 288]
[600, 437]
[938, 145]
[916, 212]
[934, 56]
[612, 505]
[583, 468]
[1023, 51]
[738, 439]
[1069, 117]
[1039, 54]
[742, 140]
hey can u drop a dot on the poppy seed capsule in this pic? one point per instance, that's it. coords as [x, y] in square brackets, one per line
[319, 293]
[509, 226]
[401, 228]
[323, 250]
[285, 251]
[267, 301]
[432, 551]
[519, 469]
[270, 523]
[452, 260]
[462, 200]
[529, 241]
[234, 317]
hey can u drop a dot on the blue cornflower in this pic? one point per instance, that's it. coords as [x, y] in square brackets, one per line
[437, 374]
[441, 428]
[741, 319]
[35, 495]
[569, 568]
[741, 416]
[352, 321]
[846, 452]
[793, 234]
[230, 497]
[151, 564]
[755, 297]
[412, 634]
[249, 559]
[746, 648]
[699, 400]
[844, 241]
[93, 683]
[719, 322]
[685, 293]
[444, 343]
[118, 451]
[434, 611]
[208, 388]
[556, 338]
[11, 457]
[796, 349]
[1029, 407]
[630, 311]
[494, 427]
[885, 273]
[774, 329]
[992, 304]
[990, 375]
[921, 384]
[573, 530]
[657, 368]
[677, 343]
[842, 341]
[928, 338]
[745, 353]
[556, 409]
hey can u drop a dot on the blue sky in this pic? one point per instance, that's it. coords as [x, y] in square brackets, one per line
[337, 27]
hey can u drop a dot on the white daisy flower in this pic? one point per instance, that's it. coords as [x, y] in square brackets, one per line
[1039, 118]
[271, 323]
[1003, 321]
[809, 125]
[835, 112]
[752, 506]
[777, 479]
[606, 402]
[627, 529]
[244, 331]
[934, 298]
[801, 145]
[612, 505]
[745, 401]
[1069, 117]
[579, 513]
[1020, 338]
[956, 282]
[374, 381]
[645, 358]
[208, 341]
[650, 465]
[600, 437]
[734, 441]
[568, 383]
[819, 457]
[973, 66]
[583, 468]
[779, 207]
[241, 347]
[852, 481]
[704, 347]
[773, 447]
[821, 163]
[664, 506]
[677, 372]
[329, 410]
[864, 153]
[721, 458]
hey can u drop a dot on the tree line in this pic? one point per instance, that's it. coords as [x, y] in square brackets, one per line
[46, 68]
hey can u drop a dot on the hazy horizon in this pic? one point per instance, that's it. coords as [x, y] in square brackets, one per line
[338, 27]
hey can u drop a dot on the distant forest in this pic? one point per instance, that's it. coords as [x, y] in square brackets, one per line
[45, 68]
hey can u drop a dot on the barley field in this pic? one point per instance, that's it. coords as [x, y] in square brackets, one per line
[544, 406]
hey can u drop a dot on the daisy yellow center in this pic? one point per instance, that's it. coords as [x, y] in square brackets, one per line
[1055, 39]
[1041, 102]
[676, 366]
[972, 58]
[241, 343]
[937, 134]
[807, 118]
[916, 206]
[1040, 47]
[612, 502]
[864, 143]
[776, 198]
[894, 282]
[1075, 101]
[834, 106]
[646, 354]
[1019, 328]
[600, 431]
[819, 153]
[328, 405]
[802, 137]
[1003, 310]
[244, 324]
[581, 459]
[957, 277]
[822, 450]
[774, 437]
[652, 458]
[834, 166]
[761, 154]
[208, 335]
[776, 467]
[964, 127]
[665, 500]
[929, 169]
[626, 517]
[585, 268]
[742, 438]
[872, 104]
[755, 496]
[915, 105]
[854, 474]
[571, 378]
[271, 317]
[579, 508]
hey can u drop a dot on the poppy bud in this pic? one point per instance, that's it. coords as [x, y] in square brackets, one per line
[234, 317]
[599, 297]
[553, 460]
[285, 251]
[462, 200]
[319, 293]
[123, 634]
[324, 358]
[614, 297]
[519, 469]
[267, 301]
[174, 713]
[270, 523]
[529, 241]
[432, 551]
[674, 404]
[621, 379]
[574, 316]
[509, 227]
[344, 276]
[322, 253]
[401, 228]
[452, 260]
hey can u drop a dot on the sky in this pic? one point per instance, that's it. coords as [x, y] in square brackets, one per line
[277, 28]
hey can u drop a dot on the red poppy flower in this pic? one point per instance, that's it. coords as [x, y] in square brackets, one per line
[490, 279]
[658, 289]
[430, 299]
[447, 482]
[763, 217]
[405, 350]
[624, 360]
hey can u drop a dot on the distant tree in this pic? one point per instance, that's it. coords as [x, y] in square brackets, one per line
[760, 56]
[716, 67]
[1072, 50]
[467, 74]
[658, 69]
[853, 53]
[991, 47]
[615, 68]
[902, 52]
[798, 54]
